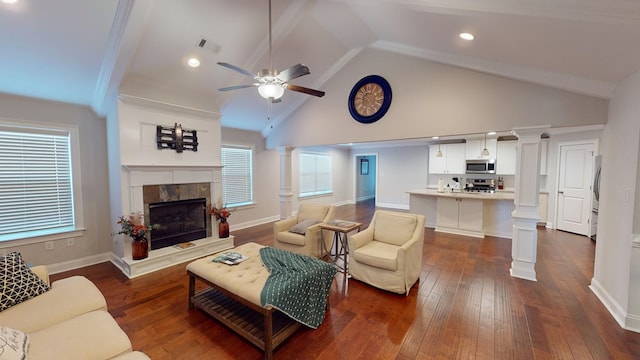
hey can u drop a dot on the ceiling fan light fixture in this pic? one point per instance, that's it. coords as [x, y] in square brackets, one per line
[271, 91]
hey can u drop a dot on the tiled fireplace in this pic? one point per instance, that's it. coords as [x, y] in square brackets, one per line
[180, 210]
[184, 189]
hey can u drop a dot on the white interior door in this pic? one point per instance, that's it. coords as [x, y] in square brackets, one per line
[574, 188]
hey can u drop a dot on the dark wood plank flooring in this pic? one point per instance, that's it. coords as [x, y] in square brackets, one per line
[465, 306]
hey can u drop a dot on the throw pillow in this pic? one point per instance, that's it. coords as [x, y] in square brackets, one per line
[13, 344]
[301, 227]
[17, 282]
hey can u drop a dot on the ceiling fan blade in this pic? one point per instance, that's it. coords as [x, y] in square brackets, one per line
[305, 90]
[235, 68]
[293, 72]
[236, 87]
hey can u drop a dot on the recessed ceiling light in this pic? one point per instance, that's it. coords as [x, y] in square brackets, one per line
[435, 137]
[491, 133]
[10, 1]
[193, 62]
[467, 36]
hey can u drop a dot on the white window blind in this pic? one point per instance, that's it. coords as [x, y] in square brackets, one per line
[237, 175]
[36, 190]
[315, 174]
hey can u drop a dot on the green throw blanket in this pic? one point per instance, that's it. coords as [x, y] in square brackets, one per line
[298, 285]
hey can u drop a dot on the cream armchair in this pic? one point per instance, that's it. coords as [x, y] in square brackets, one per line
[301, 233]
[388, 254]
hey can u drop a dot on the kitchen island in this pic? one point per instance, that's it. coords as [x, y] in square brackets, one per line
[473, 214]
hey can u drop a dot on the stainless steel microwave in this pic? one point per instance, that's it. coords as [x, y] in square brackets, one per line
[483, 166]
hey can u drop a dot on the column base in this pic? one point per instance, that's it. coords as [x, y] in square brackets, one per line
[524, 245]
[523, 270]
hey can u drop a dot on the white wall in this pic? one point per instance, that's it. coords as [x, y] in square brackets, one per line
[612, 280]
[137, 134]
[95, 243]
[431, 99]
[400, 169]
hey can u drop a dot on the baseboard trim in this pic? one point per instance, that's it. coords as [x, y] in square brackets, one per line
[366, 197]
[618, 313]
[257, 222]
[632, 323]
[392, 206]
[78, 263]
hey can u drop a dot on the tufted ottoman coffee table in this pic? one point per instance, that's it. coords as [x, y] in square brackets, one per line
[233, 298]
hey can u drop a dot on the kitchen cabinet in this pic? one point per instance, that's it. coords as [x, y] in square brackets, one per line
[544, 149]
[543, 208]
[474, 149]
[493, 217]
[506, 157]
[451, 162]
[460, 216]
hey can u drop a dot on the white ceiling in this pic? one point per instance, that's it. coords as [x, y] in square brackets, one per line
[82, 52]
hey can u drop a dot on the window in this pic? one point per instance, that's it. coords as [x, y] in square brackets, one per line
[237, 175]
[36, 182]
[315, 174]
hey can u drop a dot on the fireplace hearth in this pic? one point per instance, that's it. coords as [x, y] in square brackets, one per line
[180, 221]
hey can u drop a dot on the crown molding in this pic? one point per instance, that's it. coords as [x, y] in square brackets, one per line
[169, 107]
[111, 55]
[599, 89]
[609, 11]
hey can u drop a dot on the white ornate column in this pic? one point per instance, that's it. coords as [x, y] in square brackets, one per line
[524, 241]
[286, 195]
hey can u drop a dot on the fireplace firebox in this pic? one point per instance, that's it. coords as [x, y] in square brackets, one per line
[180, 221]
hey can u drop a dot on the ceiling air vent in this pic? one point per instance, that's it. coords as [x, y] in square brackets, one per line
[204, 43]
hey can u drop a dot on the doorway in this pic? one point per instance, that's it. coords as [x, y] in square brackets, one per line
[575, 177]
[365, 177]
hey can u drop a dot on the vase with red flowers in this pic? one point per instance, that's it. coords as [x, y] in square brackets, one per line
[221, 213]
[137, 230]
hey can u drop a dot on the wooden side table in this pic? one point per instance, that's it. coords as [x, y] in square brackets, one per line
[341, 229]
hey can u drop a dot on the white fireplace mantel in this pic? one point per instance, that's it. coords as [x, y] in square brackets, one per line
[140, 175]
[135, 177]
[132, 168]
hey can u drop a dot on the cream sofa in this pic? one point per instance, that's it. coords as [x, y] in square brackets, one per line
[301, 233]
[388, 254]
[70, 321]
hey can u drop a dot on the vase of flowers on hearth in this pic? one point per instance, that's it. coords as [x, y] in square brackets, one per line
[221, 213]
[134, 228]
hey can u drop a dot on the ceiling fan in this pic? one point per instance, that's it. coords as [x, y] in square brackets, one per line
[271, 83]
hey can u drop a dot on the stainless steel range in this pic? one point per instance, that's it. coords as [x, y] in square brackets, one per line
[481, 185]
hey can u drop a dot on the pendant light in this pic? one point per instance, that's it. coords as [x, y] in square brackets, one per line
[485, 151]
[439, 153]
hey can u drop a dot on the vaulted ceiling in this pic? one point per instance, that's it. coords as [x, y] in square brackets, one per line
[86, 52]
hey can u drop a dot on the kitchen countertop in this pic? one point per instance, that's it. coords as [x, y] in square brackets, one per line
[498, 195]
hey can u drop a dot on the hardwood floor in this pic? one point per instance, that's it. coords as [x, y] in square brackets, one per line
[465, 306]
